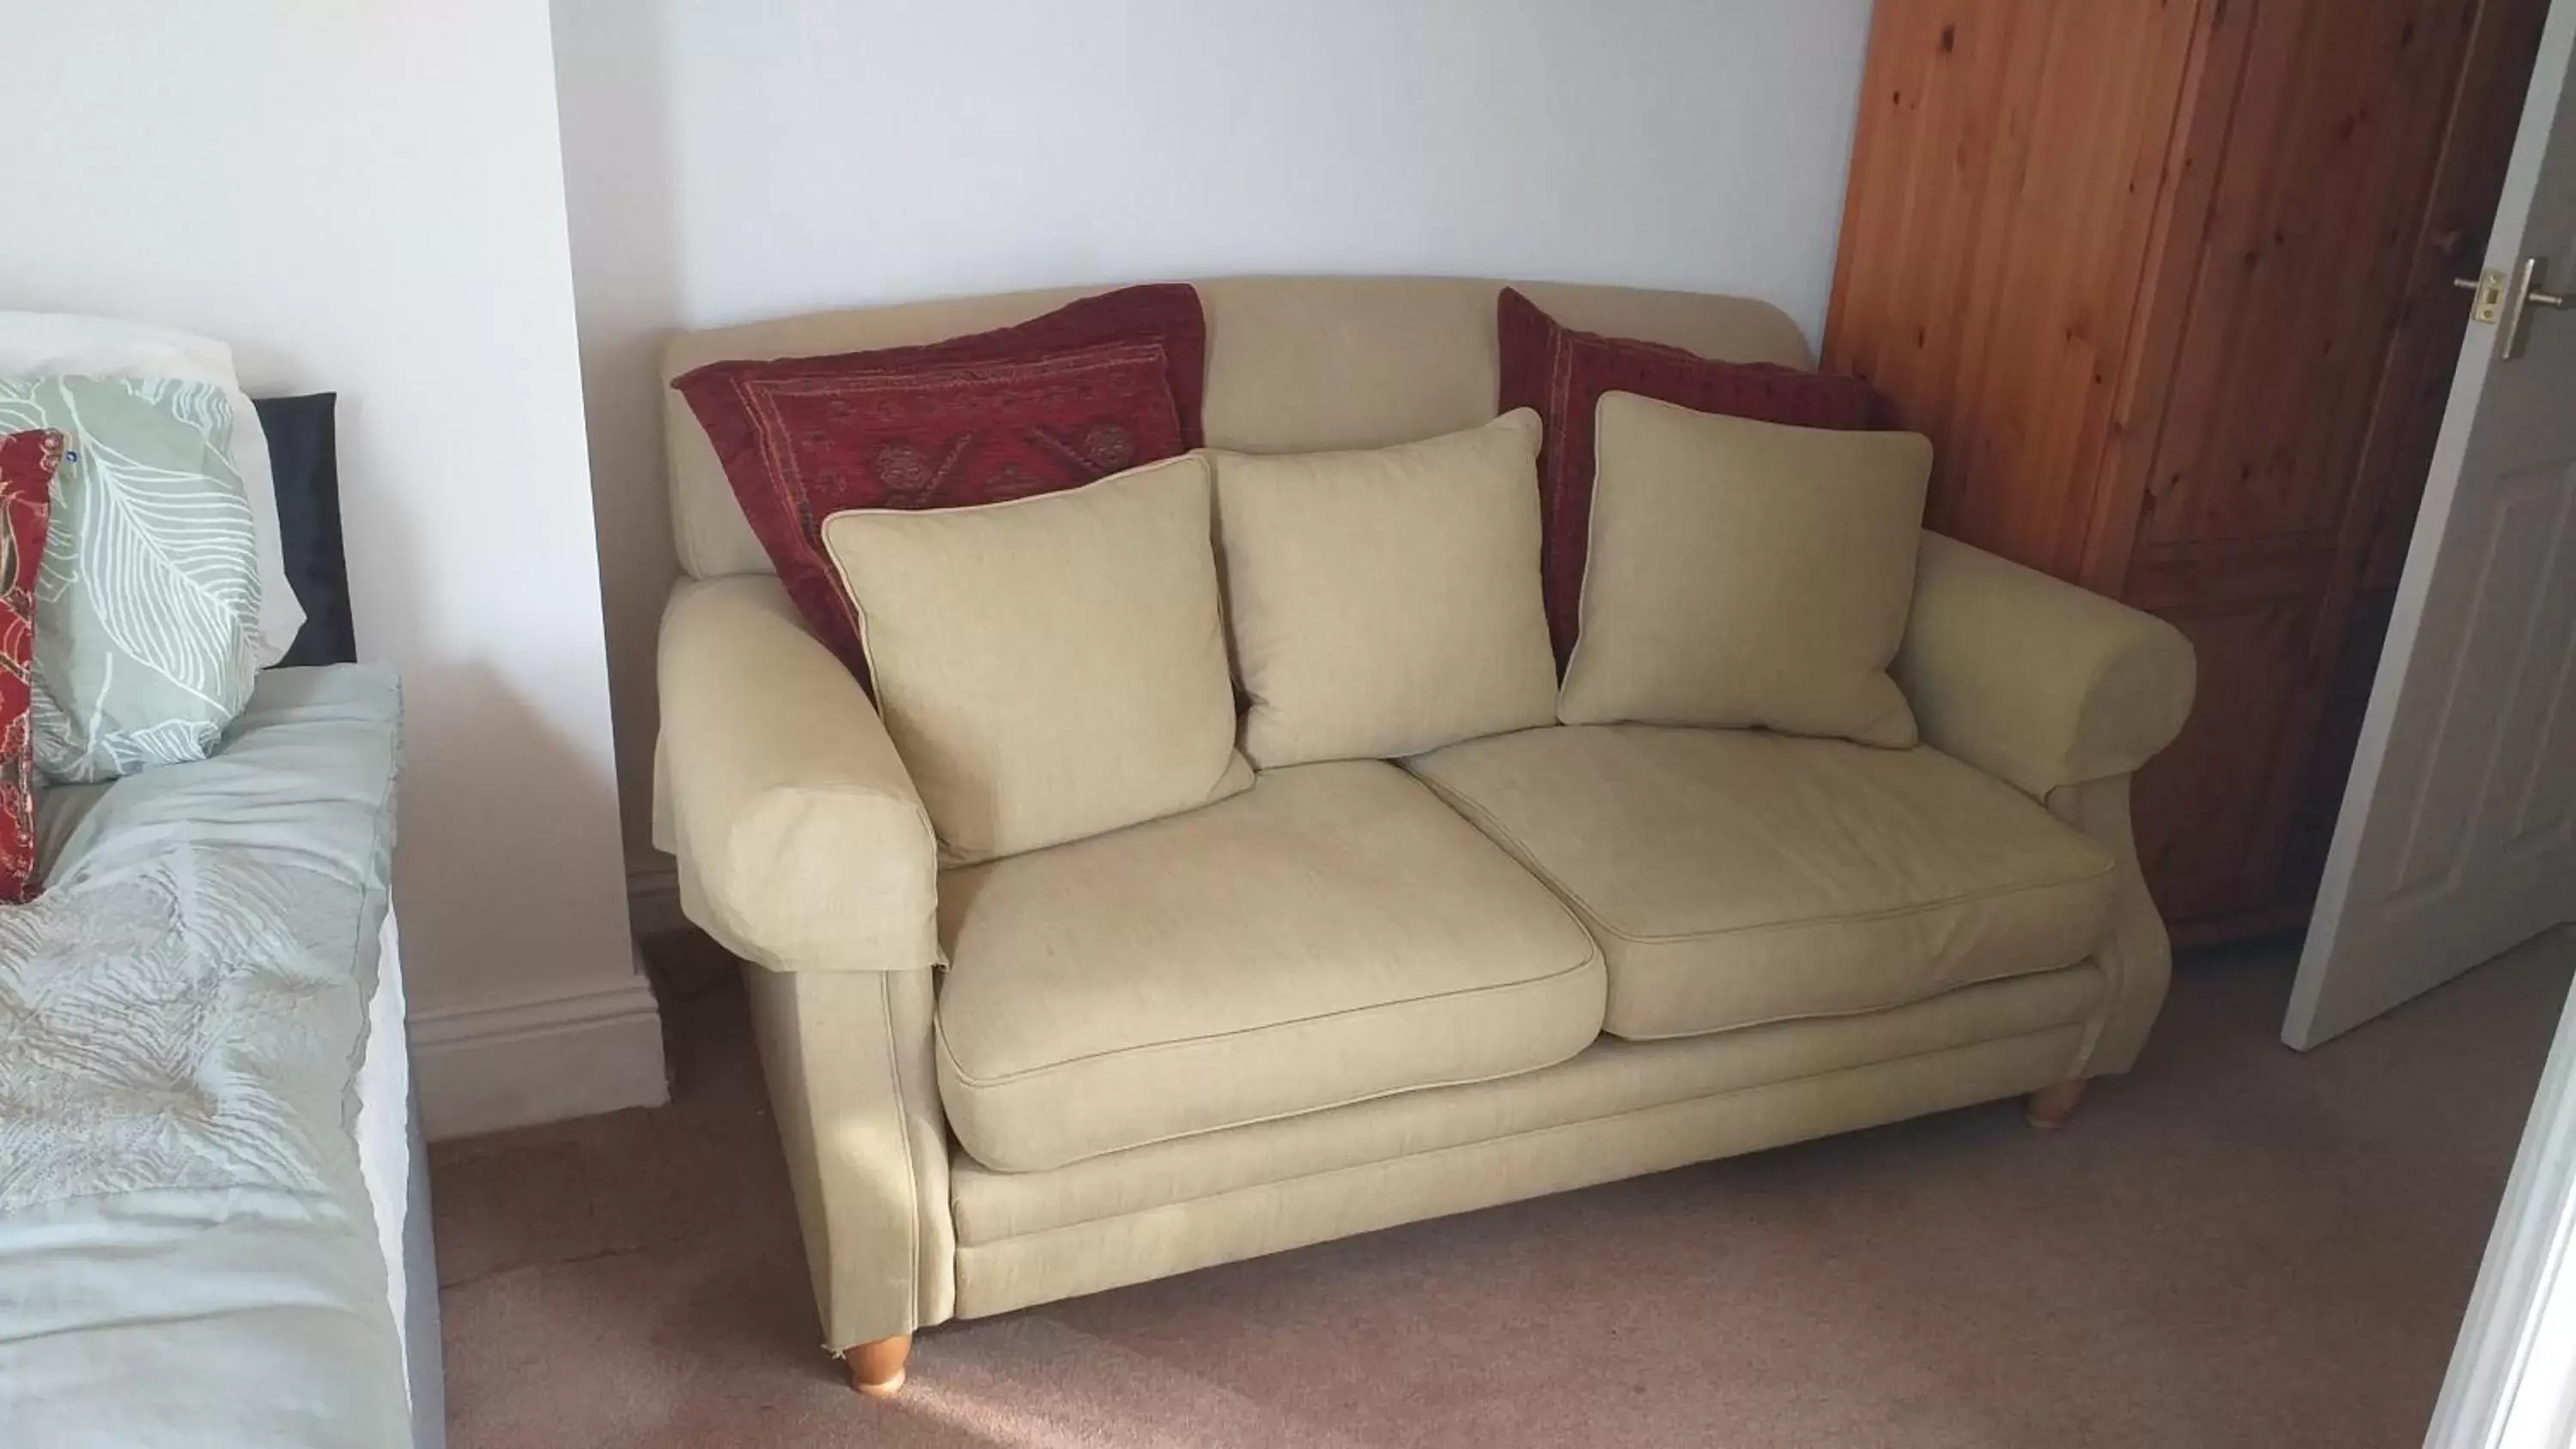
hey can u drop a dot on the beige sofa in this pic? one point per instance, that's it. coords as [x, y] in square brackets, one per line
[1364, 993]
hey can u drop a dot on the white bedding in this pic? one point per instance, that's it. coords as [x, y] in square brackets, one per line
[190, 1250]
[384, 1119]
[396, 1172]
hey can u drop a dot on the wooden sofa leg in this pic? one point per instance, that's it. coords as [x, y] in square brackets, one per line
[2051, 1105]
[876, 1366]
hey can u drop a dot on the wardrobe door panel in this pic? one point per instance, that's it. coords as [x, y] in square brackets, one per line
[2201, 805]
[2320, 197]
[2004, 190]
[2253, 526]
[2167, 282]
[2450, 244]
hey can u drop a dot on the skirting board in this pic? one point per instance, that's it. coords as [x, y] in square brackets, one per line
[481, 1069]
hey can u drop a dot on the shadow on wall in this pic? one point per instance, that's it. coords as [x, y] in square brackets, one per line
[456, 708]
[614, 77]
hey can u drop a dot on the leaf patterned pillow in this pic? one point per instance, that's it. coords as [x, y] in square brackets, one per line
[150, 584]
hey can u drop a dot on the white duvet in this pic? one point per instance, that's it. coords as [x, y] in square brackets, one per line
[187, 1251]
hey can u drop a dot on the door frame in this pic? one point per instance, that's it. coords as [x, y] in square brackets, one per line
[2512, 1380]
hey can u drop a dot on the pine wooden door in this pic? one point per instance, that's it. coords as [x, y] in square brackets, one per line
[2005, 195]
[2167, 282]
[2251, 529]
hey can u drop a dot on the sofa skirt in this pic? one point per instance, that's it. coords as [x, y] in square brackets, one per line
[1618, 1110]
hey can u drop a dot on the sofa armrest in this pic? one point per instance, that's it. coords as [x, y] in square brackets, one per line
[2033, 680]
[801, 840]
[847, 1056]
[2137, 955]
[804, 847]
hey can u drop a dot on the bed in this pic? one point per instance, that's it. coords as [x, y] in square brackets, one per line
[213, 1218]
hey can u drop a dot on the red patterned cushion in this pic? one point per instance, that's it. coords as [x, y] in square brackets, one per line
[27, 463]
[1092, 388]
[1563, 373]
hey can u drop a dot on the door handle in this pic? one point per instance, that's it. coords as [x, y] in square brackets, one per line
[2507, 300]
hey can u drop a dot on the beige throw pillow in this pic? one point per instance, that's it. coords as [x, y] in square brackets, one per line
[1387, 602]
[1051, 667]
[1747, 573]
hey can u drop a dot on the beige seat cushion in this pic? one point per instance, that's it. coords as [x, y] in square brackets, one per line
[1333, 934]
[1386, 602]
[1736, 876]
[1746, 573]
[1050, 667]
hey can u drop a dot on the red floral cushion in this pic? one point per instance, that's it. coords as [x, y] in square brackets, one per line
[1092, 388]
[27, 463]
[1563, 373]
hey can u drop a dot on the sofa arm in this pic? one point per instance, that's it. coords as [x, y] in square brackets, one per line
[2137, 955]
[804, 847]
[801, 840]
[2032, 680]
[847, 1056]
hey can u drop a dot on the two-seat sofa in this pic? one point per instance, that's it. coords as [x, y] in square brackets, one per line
[1367, 992]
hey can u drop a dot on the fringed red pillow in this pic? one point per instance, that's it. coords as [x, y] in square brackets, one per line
[1563, 373]
[1093, 388]
[27, 464]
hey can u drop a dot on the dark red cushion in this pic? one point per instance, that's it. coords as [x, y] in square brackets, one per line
[1094, 387]
[27, 463]
[1563, 373]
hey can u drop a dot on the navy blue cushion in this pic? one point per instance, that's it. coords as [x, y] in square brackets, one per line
[303, 451]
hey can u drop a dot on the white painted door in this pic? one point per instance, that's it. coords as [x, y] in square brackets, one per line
[2454, 844]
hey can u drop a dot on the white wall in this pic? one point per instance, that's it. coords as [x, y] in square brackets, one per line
[368, 198]
[762, 157]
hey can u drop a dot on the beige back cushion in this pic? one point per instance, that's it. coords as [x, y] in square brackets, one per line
[1294, 364]
[1385, 601]
[1746, 573]
[1049, 667]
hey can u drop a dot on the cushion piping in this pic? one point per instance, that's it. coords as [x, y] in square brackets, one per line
[1551, 1129]
[911, 1171]
[1355, 1100]
[1592, 914]
[1897, 1004]
[1591, 956]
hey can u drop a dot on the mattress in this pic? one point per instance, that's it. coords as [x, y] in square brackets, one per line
[193, 1098]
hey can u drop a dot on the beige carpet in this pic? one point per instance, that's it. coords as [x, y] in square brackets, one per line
[2234, 1245]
